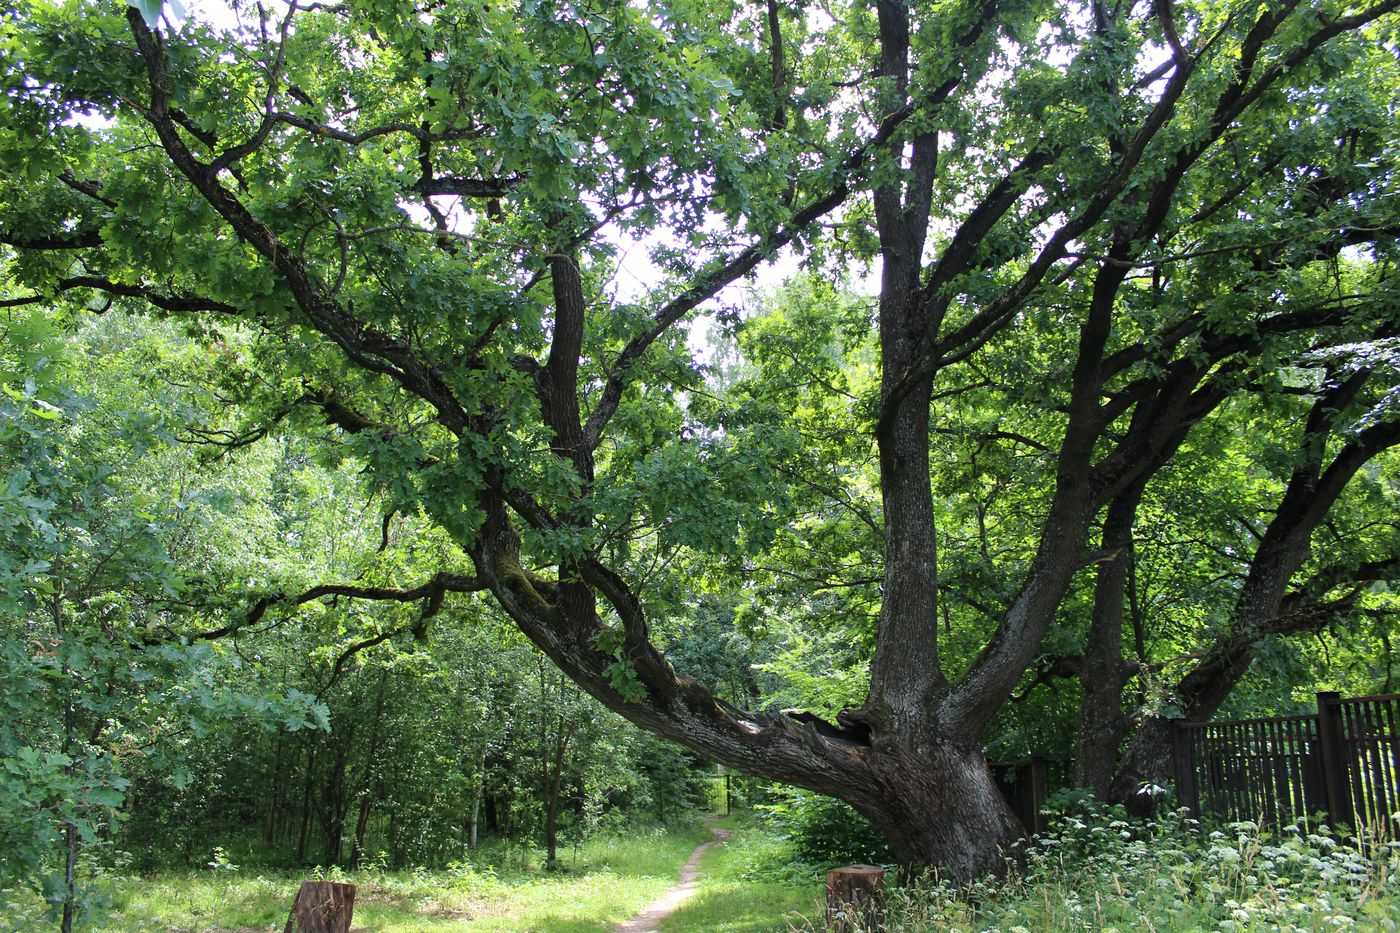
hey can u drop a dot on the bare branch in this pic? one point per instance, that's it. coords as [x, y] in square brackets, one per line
[431, 591]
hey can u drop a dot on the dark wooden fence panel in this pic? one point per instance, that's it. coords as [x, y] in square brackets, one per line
[1371, 746]
[1025, 786]
[1343, 761]
[1253, 769]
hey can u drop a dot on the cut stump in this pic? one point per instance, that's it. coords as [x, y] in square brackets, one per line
[322, 907]
[855, 898]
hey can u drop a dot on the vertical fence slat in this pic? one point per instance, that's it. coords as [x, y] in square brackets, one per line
[1360, 737]
[1354, 767]
[1392, 762]
[1296, 802]
[1251, 808]
[1302, 807]
[1184, 768]
[1279, 802]
[1344, 761]
[1356, 764]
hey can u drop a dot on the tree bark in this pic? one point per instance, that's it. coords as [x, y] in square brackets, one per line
[855, 898]
[942, 809]
[313, 743]
[1285, 546]
[474, 821]
[275, 794]
[322, 907]
[70, 831]
[369, 778]
[1103, 674]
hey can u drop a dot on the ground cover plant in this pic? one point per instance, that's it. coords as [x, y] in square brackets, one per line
[1097, 869]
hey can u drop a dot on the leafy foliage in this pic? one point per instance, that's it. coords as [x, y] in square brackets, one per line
[1121, 416]
[820, 830]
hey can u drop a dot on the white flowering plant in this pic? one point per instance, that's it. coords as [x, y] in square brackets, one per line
[1098, 870]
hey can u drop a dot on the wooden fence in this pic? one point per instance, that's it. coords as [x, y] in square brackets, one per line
[1343, 760]
[1025, 786]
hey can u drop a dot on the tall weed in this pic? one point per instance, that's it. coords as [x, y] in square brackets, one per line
[1098, 871]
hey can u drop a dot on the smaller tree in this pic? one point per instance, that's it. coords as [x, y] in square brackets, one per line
[89, 588]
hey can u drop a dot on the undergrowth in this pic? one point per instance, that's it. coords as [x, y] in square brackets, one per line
[1098, 871]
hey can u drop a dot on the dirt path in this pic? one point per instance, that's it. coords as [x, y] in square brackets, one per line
[648, 920]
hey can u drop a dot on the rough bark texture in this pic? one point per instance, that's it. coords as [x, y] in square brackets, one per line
[942, 809]
[322, 907]
[855, 898]
[1103, 672]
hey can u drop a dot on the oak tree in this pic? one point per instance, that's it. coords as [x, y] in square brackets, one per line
[418, 209]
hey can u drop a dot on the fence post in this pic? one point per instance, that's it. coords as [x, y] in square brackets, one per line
[1331, 740]
[1035, 781]
[1184, 764]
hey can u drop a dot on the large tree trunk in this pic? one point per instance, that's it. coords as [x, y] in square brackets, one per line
[943, 810]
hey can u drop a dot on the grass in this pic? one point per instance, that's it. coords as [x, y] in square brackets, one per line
[612, 880]
[1095, 873]
[733, 898]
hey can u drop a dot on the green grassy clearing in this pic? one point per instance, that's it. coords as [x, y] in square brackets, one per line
[612, 879]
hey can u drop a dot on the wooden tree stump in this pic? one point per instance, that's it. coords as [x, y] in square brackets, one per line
[322, 907]
[855, 898]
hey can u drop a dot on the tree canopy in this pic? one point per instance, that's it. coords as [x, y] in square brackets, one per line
[1121, 409]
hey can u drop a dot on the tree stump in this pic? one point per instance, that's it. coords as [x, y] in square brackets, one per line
[322, 907]
[855, 898]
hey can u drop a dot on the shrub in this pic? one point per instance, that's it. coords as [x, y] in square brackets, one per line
[822, 830]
